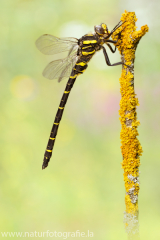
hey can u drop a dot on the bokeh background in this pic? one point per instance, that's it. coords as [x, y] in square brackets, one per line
[82, 189]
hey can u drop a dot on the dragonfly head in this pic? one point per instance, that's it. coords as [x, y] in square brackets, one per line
[101, 29]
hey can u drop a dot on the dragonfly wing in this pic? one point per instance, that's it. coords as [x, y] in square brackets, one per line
[60, 68]
[68, 69]
[50, 45]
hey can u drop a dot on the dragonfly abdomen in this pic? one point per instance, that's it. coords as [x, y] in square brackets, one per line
[79, 67]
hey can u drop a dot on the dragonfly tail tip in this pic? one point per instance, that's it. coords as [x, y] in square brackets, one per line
[44, 165]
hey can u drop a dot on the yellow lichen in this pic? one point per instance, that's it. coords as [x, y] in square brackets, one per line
[130, 145]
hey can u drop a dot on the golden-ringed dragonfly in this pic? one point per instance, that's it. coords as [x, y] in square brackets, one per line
[80, 51]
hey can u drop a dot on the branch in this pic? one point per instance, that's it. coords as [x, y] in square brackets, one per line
[130, 146]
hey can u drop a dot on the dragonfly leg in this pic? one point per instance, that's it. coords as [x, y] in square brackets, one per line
[110, 47]
[119, 36]
[115, 28]
[108, 61]
[112, 41]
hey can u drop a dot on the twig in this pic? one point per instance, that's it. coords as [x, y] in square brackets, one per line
[130, 145]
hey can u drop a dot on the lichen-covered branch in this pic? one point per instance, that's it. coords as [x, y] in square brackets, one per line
[130, 145]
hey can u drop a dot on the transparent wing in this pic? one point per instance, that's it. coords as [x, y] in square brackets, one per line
[60, 68]
[50, 45]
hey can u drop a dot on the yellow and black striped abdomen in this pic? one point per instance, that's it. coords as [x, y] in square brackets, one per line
[80, 65]
[51, 141]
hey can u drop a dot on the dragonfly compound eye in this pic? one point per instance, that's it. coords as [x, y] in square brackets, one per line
[101, 29]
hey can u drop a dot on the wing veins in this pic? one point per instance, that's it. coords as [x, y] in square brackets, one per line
[58, 69]
[49, 44]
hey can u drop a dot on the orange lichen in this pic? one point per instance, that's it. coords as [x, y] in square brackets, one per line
[131, 148]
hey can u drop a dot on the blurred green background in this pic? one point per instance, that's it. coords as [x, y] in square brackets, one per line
[83, 188]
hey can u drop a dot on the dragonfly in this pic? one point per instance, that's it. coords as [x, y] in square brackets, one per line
[79, 53]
